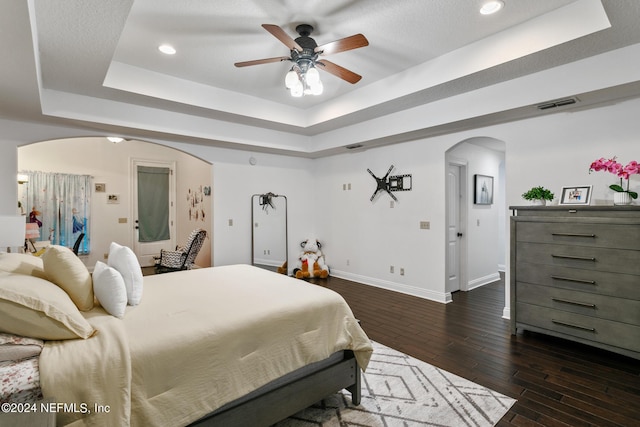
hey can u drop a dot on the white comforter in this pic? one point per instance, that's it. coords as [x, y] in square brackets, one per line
[199, 339]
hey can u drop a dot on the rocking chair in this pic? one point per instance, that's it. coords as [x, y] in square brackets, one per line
[183, 257]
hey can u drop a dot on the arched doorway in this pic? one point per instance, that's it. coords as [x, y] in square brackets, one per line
[476, 247]
[109, 165]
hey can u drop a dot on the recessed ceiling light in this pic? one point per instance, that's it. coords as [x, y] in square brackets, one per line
[491, 7]
[115, 139]
[167, 49]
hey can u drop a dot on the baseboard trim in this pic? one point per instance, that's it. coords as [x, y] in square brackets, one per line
[396, 287]
[481, 281]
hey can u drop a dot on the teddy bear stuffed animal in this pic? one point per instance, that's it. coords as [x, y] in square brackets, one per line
[311, 261]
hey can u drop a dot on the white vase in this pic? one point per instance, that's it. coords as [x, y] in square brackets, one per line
[539, 202]
[621, 198]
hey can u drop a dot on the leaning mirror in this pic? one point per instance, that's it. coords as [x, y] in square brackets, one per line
[269, 232]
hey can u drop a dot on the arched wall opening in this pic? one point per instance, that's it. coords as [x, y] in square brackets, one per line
[109, 164]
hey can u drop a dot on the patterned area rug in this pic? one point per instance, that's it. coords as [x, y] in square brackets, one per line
[398, 390]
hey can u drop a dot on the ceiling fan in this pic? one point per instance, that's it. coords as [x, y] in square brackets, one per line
[303, 77]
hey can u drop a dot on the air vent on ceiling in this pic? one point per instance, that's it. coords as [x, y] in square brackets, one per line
[353, 147]
[556, 104]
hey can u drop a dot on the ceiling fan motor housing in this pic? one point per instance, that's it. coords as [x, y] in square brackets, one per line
[305, 42]
[308, 56]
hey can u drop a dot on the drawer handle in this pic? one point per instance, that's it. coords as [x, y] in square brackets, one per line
[581, 304]
[580, 258]
[573, 235]
[571, 325]
[569, 279]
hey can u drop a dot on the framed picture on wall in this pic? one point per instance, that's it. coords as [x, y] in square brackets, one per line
[483, 190]
[577, 195]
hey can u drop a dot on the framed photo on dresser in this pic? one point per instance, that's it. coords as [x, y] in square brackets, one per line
[577, 195]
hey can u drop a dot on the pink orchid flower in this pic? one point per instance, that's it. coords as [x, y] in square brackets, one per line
[623, 172]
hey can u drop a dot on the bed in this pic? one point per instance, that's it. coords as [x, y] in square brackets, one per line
[231, 345]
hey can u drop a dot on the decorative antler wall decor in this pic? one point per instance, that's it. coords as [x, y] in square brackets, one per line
[391, 183]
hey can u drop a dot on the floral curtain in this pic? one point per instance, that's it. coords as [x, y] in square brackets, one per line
[61, 206]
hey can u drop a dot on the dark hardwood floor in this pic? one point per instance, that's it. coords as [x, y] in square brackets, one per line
[556, 382]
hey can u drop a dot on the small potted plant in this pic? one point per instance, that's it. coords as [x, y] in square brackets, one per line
[538, 195]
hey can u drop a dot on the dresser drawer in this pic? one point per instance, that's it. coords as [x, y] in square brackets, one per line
[621, 236]
[588, 258]
[601, 306]
[597, 282]
[589, 328]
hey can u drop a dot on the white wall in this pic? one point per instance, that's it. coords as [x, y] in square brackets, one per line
[552, 151]
[363, 239]
[236, 180]
[8, 177]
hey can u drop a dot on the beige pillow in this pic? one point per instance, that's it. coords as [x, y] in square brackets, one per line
[65, 269]
[36, 308]
[22, 264]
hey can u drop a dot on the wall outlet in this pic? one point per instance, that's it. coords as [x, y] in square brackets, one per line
[402, 271]
[391, 269]
[348, 262]
[230, 222]
[344, 187]
[349, 186]
[425, 225]
[122, 220]
[391, 204]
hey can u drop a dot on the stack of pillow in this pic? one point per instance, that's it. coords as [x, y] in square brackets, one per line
[119, 282]
[42, 297]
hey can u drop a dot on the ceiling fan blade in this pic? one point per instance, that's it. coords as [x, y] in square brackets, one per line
[347, 43]
[262, 61]
[338, 71]
[280, 34]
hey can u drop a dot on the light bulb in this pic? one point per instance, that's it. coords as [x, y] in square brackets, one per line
[316, 89]
[290, 79]
[297, 90]
[312, 76]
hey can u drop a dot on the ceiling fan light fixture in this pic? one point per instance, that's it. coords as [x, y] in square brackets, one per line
[491, 7]
[317, 89]
[291, 78]
[312, 76]
[297, 90]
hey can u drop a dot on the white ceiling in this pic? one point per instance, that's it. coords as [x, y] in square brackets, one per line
[94, 64]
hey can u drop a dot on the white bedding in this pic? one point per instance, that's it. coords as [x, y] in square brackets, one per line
[198, 339]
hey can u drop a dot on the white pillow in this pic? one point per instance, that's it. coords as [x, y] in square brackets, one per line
[109, 289]
[124, 260]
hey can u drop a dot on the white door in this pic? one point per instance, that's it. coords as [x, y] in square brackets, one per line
[146, 251]
[454, 233]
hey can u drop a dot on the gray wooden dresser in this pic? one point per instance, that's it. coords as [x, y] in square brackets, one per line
[575, 274]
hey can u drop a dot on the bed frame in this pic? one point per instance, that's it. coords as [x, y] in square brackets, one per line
[290, 394]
